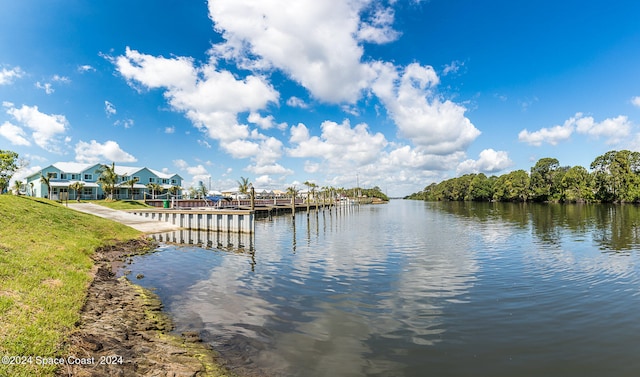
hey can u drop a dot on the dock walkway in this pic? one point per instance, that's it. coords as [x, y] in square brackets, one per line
[136, 222]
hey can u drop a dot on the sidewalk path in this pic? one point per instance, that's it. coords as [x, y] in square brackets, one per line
[134, 221]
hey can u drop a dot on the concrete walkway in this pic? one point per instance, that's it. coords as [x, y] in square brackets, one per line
[134, 221]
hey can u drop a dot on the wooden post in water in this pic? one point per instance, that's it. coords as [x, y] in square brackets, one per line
[253, 198]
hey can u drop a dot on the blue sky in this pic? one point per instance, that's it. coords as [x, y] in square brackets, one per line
[396, 94]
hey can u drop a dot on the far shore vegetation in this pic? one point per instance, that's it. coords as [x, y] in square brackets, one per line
[614, 177]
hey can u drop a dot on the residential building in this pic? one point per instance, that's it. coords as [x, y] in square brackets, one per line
[65, 174]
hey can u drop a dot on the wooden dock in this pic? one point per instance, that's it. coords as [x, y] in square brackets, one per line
[241, 221]
[233, 217]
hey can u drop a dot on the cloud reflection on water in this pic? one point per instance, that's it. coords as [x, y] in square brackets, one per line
[352, 281]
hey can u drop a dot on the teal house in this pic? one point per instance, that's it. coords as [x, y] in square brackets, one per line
[148, 183]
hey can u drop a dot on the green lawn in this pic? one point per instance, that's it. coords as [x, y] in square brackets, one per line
[45, 270]
[121, 204]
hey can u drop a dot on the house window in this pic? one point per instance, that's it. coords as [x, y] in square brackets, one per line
[136, 178]
[173, 182]
[53, 175]
[87, 191]
[165, 181]
[151, 180]
[63, 176]
[88, 177]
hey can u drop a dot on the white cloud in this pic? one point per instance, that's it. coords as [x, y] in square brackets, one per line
[47, 87]
[109, 109]
[197, 170]
[311, 167]
[7, 76]
[490, 161]
[552, 135]
[46, 127]
[294, 101]
[14, 134]
[210, 98]
[170, 130]
[85, 68]
[454, 67]
[615, 130]
[339, 144]
[321, 35]
[126, 123]
[264, 123]
[94, 152]
[635, 101]
[273, 169]
[180, 164]
[204, 143]
[436, 126]
[61, 79]
[378, 27]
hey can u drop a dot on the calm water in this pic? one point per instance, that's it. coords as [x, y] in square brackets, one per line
[415, 289]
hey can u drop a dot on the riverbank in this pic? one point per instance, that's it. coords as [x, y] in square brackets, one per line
[60, 301]
[123, 326]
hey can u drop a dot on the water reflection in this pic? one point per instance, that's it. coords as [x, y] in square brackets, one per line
[230, 241]
[327, 291]
[612, 227]
[413, 289]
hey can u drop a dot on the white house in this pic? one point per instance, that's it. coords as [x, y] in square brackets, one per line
[64, 174]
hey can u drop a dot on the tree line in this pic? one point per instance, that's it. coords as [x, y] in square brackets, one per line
[613, 177]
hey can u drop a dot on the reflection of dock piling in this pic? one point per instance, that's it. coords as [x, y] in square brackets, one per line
[237, 242]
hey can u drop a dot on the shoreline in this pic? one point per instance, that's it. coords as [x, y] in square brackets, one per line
[123, 330]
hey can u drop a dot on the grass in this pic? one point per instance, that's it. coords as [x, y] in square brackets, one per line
[45, 270]
[121, 204]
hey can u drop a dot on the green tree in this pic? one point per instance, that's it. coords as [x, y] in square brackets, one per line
[174, 189]
[576, 184]
[513, 186]
[243, 187]
[480, 188]
[77, 187]
[131, 183]
[292, 191]
[108, 178]
[311, 187]
[542, 177]
[47, 182]
[9, 164]
[17, 186]
[154, 187]
[616, 176]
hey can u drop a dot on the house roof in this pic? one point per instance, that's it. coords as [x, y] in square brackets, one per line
[77, 168]
[73, 167]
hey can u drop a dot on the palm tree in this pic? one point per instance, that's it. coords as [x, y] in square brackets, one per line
[47, 182]
[153, 187]
[17, 185]
[108, 178]
[131, 183]
[174, 189]
[243, 187]
[311, 187]
[293, 191]
[77, 187]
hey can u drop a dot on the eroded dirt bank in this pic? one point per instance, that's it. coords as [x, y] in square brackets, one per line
[123, 331]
